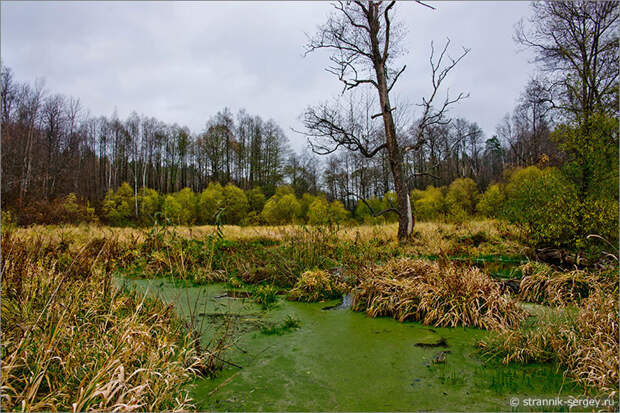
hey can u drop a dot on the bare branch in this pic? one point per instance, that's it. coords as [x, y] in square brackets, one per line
[376, 115]
[439, 72]
[426, 174]
[327, 124]
[425, 5]
[372, 211]
[386, 44]
[396, 78]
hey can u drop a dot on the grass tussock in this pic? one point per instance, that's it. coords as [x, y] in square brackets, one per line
[265, 295]
[289, 324]
[316, 285]
[440, 294]
[541, 285]
[73, 342]
[583, 340]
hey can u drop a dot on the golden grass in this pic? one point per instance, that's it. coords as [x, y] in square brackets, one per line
[540, 284]
[73, 342]
[591, 350]
[315, 286]
[429, 238]
[584, 340]
[434, 293]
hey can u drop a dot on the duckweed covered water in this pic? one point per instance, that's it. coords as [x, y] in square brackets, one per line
[340, 360]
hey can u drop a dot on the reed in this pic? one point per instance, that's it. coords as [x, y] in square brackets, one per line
[540, 284]
[583, 340]
[435, 293]
[71, 341]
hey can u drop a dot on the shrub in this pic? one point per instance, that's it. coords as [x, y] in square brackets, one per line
[8, 221]
[389, 201]
[281, 209]
[252, 218]
[256, 200]
[591, 147]
[118, 207]
[236, 205]
[462, 198]
[600, 217]
[305, 202]
[543, 203]
[322, 212]
[491, 202]
[76, 210]
[186, 199]
[209, 202]
[149, 203]
[171, 209]
[439, 294]
[318, 212]
[429, 204]
[64, 209]
[337, 212]
[364, 214]
[284, 190]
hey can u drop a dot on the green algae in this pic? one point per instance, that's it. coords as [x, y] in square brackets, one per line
[340, 360]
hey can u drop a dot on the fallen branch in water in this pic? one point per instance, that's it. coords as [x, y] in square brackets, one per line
[222, 384]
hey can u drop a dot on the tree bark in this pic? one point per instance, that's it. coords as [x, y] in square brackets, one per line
[405, 216]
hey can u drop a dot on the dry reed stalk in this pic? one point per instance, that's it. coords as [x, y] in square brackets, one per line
[69, 344]
[440, 294]
[583, 340]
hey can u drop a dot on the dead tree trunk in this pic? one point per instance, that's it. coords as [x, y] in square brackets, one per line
[359, 34]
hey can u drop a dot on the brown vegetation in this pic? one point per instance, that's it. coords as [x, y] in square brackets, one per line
[540, 284]
[435, 293]
[71, 341]
[584, 340]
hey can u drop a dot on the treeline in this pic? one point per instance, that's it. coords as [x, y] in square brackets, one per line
[51, 147]
[60, 165]
[543, 202]
[458, 149]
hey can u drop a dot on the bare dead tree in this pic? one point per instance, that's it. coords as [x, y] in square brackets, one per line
[364, 43]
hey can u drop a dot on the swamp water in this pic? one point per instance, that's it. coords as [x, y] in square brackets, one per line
[340, 360]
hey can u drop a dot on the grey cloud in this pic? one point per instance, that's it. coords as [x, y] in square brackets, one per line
[182, 62]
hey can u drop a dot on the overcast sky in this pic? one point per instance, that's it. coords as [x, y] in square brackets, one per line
[182, 62]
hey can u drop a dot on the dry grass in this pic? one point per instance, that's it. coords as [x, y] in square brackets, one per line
[73, 342]
[541, 285]
[316, 285]
[429, 238]
[590, 351]
[584, 340]
[533, 342]
[439, 294]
